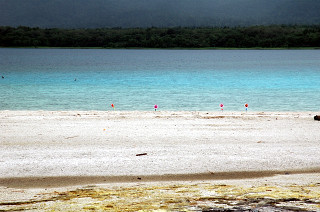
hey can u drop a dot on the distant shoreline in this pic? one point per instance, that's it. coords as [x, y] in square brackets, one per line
[134, 48]
[251, 37]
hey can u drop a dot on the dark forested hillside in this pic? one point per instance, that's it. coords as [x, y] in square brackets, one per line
[157, 13]
[235, 37]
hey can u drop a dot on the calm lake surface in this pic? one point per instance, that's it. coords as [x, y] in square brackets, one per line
[197, 80]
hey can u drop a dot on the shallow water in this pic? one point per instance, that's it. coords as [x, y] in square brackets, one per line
[92, 79]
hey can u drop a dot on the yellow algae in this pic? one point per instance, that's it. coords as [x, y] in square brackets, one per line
[174, 198]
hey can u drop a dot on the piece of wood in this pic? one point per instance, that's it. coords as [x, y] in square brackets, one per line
[141, 154]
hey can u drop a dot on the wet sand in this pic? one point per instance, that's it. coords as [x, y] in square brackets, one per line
[63, 181]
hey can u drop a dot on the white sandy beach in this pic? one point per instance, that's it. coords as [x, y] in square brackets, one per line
[42, 149]
[41, 143]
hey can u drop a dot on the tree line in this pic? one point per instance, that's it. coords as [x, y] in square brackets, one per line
[277, 36]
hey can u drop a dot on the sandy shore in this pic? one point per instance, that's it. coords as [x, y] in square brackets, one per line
[43, 149]
[46, 144]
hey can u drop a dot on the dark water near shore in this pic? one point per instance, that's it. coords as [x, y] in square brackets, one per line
[268, 80]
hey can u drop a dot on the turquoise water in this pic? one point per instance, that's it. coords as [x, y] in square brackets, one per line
[197, 80]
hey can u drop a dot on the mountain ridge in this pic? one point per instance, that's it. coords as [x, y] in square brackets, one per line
[157, 13]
